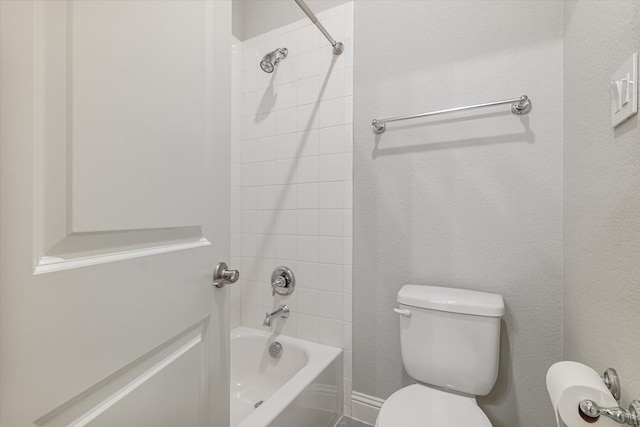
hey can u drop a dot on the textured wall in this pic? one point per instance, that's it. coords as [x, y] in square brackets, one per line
[470, 201]
[601, 194]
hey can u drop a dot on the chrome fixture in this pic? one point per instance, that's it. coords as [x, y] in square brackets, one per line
[271, 59]
[611, 379]
[222, 276]
[519, 106]
[275, 350]
[338, 47]
[590, 412]
[282, 281]
[283, 311]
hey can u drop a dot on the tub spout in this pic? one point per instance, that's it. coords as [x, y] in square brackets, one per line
[283, 310]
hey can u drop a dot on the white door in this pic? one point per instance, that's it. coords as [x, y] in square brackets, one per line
[114, 186]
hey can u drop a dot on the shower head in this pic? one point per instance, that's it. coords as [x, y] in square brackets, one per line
[271, 59]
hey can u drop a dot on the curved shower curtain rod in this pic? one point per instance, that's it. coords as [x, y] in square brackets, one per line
[338, 47]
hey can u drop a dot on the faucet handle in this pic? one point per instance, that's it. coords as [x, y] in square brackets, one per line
[282, 281]
[279, 282]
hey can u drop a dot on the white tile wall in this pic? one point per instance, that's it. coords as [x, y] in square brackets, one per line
[293, 204]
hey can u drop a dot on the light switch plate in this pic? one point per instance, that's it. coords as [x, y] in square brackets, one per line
[624, 91]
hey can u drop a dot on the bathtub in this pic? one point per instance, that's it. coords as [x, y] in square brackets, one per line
[301, 388]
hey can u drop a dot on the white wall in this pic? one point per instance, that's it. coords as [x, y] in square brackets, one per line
[470, 201]
[236, 175]
[261, 16]
[601, 194]
[296, 156]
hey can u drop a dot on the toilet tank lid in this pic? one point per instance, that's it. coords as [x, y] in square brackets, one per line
[452, 300]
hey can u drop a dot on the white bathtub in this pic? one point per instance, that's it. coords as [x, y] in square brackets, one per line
[301, 388]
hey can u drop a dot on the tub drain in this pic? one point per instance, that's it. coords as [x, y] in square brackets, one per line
[275, 350]
[258, 403]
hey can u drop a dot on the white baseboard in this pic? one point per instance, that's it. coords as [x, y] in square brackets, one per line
[365, 408]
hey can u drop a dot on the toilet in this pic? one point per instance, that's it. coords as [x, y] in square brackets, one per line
[450, 343]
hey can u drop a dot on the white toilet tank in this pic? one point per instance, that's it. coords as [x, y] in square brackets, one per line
[450, 338]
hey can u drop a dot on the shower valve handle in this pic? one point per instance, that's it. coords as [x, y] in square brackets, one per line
[282, 281]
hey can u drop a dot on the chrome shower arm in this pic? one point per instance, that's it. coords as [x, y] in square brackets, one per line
[338, 47]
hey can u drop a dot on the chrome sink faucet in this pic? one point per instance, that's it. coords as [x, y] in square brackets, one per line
[283, 310]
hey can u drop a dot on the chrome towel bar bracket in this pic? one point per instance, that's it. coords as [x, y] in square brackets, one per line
[519, 106]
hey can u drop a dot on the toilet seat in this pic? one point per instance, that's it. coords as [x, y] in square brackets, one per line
[421, 406]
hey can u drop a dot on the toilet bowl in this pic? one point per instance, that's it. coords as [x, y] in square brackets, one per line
[449, 341]
[421, 406]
